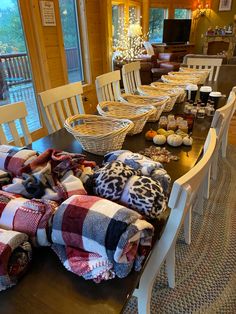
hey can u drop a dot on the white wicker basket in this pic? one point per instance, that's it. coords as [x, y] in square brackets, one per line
[179, 80]
[137, 114]
[98, 135]
[188, 76]
[158, 102]
[166, 87]
[203, 72]
[147, 90]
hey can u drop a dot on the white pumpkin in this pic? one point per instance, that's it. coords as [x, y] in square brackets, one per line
[174, 140]
[159, 139]
[188, 141]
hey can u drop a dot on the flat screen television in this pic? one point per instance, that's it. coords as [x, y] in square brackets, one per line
[176, 31]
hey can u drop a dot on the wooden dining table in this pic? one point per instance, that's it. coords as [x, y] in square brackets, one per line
[48, 287]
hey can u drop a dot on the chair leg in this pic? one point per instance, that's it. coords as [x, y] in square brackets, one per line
[214, 166]
[170, 266]
[188, 226]
[224, 144]
[144, 299]
[206, 183]
[198, 206]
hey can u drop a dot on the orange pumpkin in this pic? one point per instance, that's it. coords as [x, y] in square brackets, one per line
[150, 134]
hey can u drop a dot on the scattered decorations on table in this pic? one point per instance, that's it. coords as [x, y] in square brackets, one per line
[174, 140]
[159, 154]
[149, 135]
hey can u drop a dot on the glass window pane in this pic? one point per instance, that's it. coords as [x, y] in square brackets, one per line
[70, 28]
[15, 71]
[182, 14]
[156, 20]
[115, 21]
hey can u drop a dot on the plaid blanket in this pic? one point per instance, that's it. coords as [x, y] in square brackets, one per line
[53, 175]
[13, 159]
[15, 256]
[118, 182]
[5, 178]
[147, 166]
[32, 217]
[98, 226]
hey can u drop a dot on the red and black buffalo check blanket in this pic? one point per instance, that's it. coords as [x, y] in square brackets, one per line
[98, 239]
[32, 217]
[15, 256]
[13, 159]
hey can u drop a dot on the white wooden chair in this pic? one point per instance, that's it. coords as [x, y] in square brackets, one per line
[8, 116]
[108, 86]
[182, 195]
[131, 77]
[59, 103]
[206, 63]
[221, 122]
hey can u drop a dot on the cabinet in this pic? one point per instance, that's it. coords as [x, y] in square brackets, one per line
[180, 50]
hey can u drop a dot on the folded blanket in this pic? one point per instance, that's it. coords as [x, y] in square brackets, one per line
[147, 166]
[118, 182]
[53, 175]
[15, 256]
[13, 159]
[102, 227]
[32, 217]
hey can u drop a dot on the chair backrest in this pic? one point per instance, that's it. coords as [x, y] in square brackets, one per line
[206, 63]
[59, 103]
[131, 77]
[223, 115]
[183, 191]
[9, 114]
[108, 86]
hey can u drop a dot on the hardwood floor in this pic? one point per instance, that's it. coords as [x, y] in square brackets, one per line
[232, 131]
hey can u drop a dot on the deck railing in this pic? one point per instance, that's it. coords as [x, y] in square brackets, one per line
[16, 70]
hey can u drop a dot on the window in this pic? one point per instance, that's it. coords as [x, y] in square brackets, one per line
[156, 21]
[71, 35]
[183, 14]
[16, 83]
[134, 14]
[117, 20]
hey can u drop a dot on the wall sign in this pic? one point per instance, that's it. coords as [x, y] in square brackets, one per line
[47, 13]
[225, 5]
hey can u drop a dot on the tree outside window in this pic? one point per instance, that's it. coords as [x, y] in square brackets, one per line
[156, 22]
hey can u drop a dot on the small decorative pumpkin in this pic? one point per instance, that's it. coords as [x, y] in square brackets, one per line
[174, 140]
[159, 139]
[150, 134]
[161, 131]
[188, 141]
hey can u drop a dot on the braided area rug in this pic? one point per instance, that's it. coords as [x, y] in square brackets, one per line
[206, 269]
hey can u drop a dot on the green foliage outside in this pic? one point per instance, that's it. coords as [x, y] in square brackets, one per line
[182, 14]
[69, 25]
[156, 21]
[11, 34]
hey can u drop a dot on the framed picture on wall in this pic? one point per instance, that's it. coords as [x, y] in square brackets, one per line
[225, 5]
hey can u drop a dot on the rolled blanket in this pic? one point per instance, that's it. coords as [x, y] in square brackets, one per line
[147, 166]
[119, 182]
[102, 227]
[15, 257]
[13, 159]
[5, 178]
[32, 217]
[109, 181]
[144, 195]
[85, 264]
